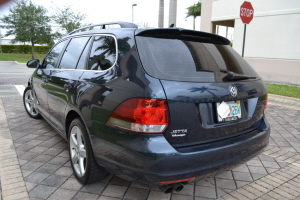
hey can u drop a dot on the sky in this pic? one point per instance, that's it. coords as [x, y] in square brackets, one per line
[98, 11]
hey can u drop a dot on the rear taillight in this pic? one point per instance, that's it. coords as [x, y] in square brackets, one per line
[141, 115]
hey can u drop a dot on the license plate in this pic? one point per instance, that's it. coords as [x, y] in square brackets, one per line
[229, 111]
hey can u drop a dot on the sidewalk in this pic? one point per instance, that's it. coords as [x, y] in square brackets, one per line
[34, 163]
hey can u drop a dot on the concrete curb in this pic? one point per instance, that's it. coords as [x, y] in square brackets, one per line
[19, 63]
[288, 101]
[282, 83]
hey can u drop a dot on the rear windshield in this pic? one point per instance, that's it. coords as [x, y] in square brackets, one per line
[180, 60]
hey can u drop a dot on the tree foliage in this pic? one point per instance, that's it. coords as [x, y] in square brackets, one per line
[28, 23]
[194, 11]
[68, 19]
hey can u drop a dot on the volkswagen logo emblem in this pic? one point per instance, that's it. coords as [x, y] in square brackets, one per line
[233, 90]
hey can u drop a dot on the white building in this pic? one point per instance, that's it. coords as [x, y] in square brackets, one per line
[8, 41]
[272, 45]
[5, 41]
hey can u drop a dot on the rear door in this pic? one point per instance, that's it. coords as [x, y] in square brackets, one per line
[205, 103]
[63, 79]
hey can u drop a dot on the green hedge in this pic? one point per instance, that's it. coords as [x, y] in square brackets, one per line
[24, 49]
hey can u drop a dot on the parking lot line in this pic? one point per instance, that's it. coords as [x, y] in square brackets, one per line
[20, 89]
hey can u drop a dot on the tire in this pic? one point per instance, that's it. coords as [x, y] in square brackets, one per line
[84, 165]
[29, 103]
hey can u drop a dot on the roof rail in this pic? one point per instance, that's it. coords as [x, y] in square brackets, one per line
[122, 24]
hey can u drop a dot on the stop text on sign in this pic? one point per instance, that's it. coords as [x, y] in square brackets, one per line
[246, 12]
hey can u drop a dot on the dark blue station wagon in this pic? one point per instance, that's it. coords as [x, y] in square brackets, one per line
[160, 107]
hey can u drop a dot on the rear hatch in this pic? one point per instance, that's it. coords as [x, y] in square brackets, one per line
[212, 92]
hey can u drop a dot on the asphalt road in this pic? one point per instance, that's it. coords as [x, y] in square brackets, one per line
[13, 74]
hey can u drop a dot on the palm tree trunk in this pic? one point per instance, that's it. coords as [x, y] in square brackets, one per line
[173, 12]
[161, 14]
[194, 22]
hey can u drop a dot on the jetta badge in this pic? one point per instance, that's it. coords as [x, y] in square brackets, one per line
[233, 90]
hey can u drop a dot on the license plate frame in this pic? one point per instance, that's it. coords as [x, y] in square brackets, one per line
[235, 111]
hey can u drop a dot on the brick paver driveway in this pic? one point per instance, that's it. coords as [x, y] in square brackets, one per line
[34, 164]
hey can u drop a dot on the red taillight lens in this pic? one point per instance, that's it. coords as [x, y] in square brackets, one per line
[177, 181]
[141, 115]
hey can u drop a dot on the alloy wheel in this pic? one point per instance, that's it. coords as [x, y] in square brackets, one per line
[30, 103]
[78, 151]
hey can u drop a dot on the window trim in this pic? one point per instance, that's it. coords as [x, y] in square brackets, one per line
[92, 37]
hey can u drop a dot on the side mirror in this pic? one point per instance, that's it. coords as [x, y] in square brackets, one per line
[33, 63]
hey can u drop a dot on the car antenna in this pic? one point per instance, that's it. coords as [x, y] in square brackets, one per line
[172, 25]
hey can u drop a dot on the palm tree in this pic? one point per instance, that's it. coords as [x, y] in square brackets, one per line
[161, 14]
[172, 12]
[195, 11]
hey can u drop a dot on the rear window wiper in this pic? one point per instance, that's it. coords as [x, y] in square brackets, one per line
[234, 77]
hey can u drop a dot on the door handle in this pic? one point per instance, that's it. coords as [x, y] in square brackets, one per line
[45, 80]
[68, 87]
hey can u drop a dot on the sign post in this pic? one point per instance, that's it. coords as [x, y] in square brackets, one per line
[246, 15]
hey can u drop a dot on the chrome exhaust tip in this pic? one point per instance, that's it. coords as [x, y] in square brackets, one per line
[166, 189]
[177, 187]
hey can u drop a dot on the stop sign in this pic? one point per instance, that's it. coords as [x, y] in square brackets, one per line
[247, 12]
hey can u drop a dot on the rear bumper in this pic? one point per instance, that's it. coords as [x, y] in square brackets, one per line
[150, 159]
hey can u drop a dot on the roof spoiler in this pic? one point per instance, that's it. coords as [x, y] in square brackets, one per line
[184, 34]
[102, 26]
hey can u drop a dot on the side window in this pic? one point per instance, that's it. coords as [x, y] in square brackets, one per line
[72, 53]
[103, 53]
[82, 61]
[51, 59]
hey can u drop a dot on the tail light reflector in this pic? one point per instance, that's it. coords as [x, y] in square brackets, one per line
[178, 181]
[141, 115]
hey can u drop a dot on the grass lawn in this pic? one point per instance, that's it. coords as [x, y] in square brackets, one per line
[284, 90]
[22, 58]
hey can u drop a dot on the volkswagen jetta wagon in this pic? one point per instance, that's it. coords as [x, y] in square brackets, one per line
[160, 107]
